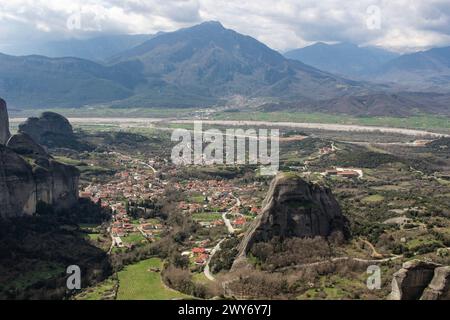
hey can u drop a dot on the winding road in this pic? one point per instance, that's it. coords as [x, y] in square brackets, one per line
[207, 270]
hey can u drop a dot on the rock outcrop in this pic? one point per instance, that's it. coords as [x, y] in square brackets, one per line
[29, 175]
[421, 280]
[17, 185]
[23, 144]
[439, 287]
[4, 123]
[49, 129]
[295, 208]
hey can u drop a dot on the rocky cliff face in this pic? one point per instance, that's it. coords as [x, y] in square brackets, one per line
[439, 287]
[4, 122]
[295, 208]
[17, 185]
[421, 280]
[28, 175]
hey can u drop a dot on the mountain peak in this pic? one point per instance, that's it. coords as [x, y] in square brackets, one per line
[208, 25]
[212, 23]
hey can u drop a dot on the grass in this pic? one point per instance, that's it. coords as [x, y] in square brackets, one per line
[133, 238]
[40, 271]
[197, 199]
[94, 236]
[200, 278]
[335, 287]
[373, 199]
[206, 216]
[69, 161]
[136, 282]
[98, 292]
[417, 122]
[99, 111]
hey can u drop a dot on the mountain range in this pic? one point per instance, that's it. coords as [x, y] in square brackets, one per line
[197, 66]
[346, 59]
[96, 49]
[38, 81]
[208, 65]
[426, 71]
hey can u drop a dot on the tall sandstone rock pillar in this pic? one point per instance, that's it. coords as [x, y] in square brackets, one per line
[4, 123]
[294, 208]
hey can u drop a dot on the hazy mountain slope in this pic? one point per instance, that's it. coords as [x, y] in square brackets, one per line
[427, 70]
[343, 58]
[213, 62]
[96, 49]
[36, 81]
[402, 104]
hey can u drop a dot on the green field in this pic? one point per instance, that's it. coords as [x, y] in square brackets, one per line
[133, 238]
[416, 122]
[103, 111]
[39, 271]
[136, 282]
[206, 216]
[102, 291]
[376, 198]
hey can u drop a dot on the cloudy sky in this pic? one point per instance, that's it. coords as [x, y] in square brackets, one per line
[401, 25]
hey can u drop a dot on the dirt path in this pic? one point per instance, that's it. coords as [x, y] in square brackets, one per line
[375, 253]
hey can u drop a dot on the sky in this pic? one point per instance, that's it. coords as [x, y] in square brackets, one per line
[398, 25]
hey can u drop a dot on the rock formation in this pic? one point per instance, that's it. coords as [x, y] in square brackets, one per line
[4, 122]
[421, 280]
[295, 208]
[49, 129]
[29, 175]
[439, 287]
[17, 185]
[23, 144]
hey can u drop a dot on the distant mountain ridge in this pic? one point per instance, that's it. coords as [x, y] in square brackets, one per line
[426, 70]
[420, 71]
[37, 81]
[98, 48]
[345, 59]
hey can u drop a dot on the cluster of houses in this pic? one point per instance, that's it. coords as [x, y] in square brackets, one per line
[199, 255]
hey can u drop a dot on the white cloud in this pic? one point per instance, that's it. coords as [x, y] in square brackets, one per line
[405, 24]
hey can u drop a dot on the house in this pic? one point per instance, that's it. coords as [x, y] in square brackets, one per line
[117, 232]
[239, 221]
[198, 250]
[201, 259]
[348, 174]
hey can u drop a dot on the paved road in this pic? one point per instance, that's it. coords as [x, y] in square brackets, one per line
[227, 222]
[207, 271]
[231, 230]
